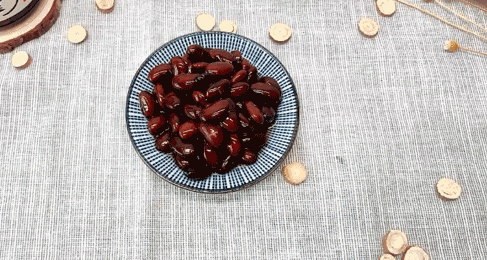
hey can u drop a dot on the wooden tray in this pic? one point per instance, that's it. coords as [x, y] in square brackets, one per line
[35, 23]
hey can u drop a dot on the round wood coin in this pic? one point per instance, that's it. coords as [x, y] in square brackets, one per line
[21, 60]
[448, 189]
[228, 26]
[451, 46]
[368, 27]
[386, 7]
[395, 242]
[387, 257]
[415, 253]
[205, 21]
[280, 32]
[294, 173]
[13, 10]
[76, 34]
[105, 6]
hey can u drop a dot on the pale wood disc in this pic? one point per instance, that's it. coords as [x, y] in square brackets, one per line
[386, 7]
[415, 253]
[228, 26]
[76, 34]
[387, 257]
[368, 27]
[280, 32]
[294, 173]
[21, 60]
[395, 242]
[105, 6]
[448, 189]
[33, 25]
[205, 21]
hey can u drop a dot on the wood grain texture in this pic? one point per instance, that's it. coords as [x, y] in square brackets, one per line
[36, 23]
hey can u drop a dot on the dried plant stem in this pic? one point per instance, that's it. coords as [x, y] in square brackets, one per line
[442, 19]
[470, 49]
[462, 16]
[474, 5]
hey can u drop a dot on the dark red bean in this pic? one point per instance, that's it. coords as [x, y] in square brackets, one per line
[172, 101]
[237, 56]
[221, 55]
[147, 103]
[270, 81]
[198, 67]
[246, 65]
[187, 129]
[266, 90]
[231, 122]
[249, 157]
[160, 95]
[199, 97]
[227, 164]
[210, 155]
[217, 89]
[182, 163]
[163, 142]
[219, 68]
[174, 122]
[244, 121]
[239, 76]
[239, 89]
[192, 111]
[212, 133]
[197, 53]
[269, 114]
[254, 112]
[214, 111]
[185, 81]
[178, 65]
[156, 124]
[160, 72]
[182, 149]
[252, 75]
[186, 60]
[234, 145]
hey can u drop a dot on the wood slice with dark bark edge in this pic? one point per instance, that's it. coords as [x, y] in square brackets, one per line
[34, 24]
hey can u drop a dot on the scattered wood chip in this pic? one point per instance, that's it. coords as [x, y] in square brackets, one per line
[105, 6]
[415, 253]
[368, 27]
[387, 257]
[295, 173]
[21, 60]
[448, 189]
[205, 21]
[280, 32]
[77, 34]
[394, 242]
[386, 7]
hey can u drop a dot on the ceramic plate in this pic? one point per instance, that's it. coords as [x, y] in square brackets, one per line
[280, 137]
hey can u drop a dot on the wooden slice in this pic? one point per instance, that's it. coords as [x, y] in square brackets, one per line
[415, 253]
[32, 25]
[368, 27]
[387, 257]
[395, 242]
[294, 173]
[105, 6]
[21, 60]
[448, 189]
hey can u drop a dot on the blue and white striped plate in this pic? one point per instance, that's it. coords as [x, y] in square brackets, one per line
[281, 135]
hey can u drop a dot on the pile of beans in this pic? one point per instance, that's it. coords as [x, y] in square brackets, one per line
[210, 110]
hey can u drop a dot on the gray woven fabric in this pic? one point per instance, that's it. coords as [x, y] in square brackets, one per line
[382, 120]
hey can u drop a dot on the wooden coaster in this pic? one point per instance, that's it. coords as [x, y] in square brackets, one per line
[105, 6]
[32, 25]
[13, 10]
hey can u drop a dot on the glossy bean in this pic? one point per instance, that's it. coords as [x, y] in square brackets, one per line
[214, 111]
[213, 134]
[188, 129]
[219, 68]
[147, 103]
[156, 124]
[160, 72]
[178, 65]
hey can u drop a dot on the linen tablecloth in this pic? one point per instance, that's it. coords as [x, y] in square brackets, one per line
[381, 121]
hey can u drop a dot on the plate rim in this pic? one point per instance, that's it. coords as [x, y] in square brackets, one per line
[194, 189]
